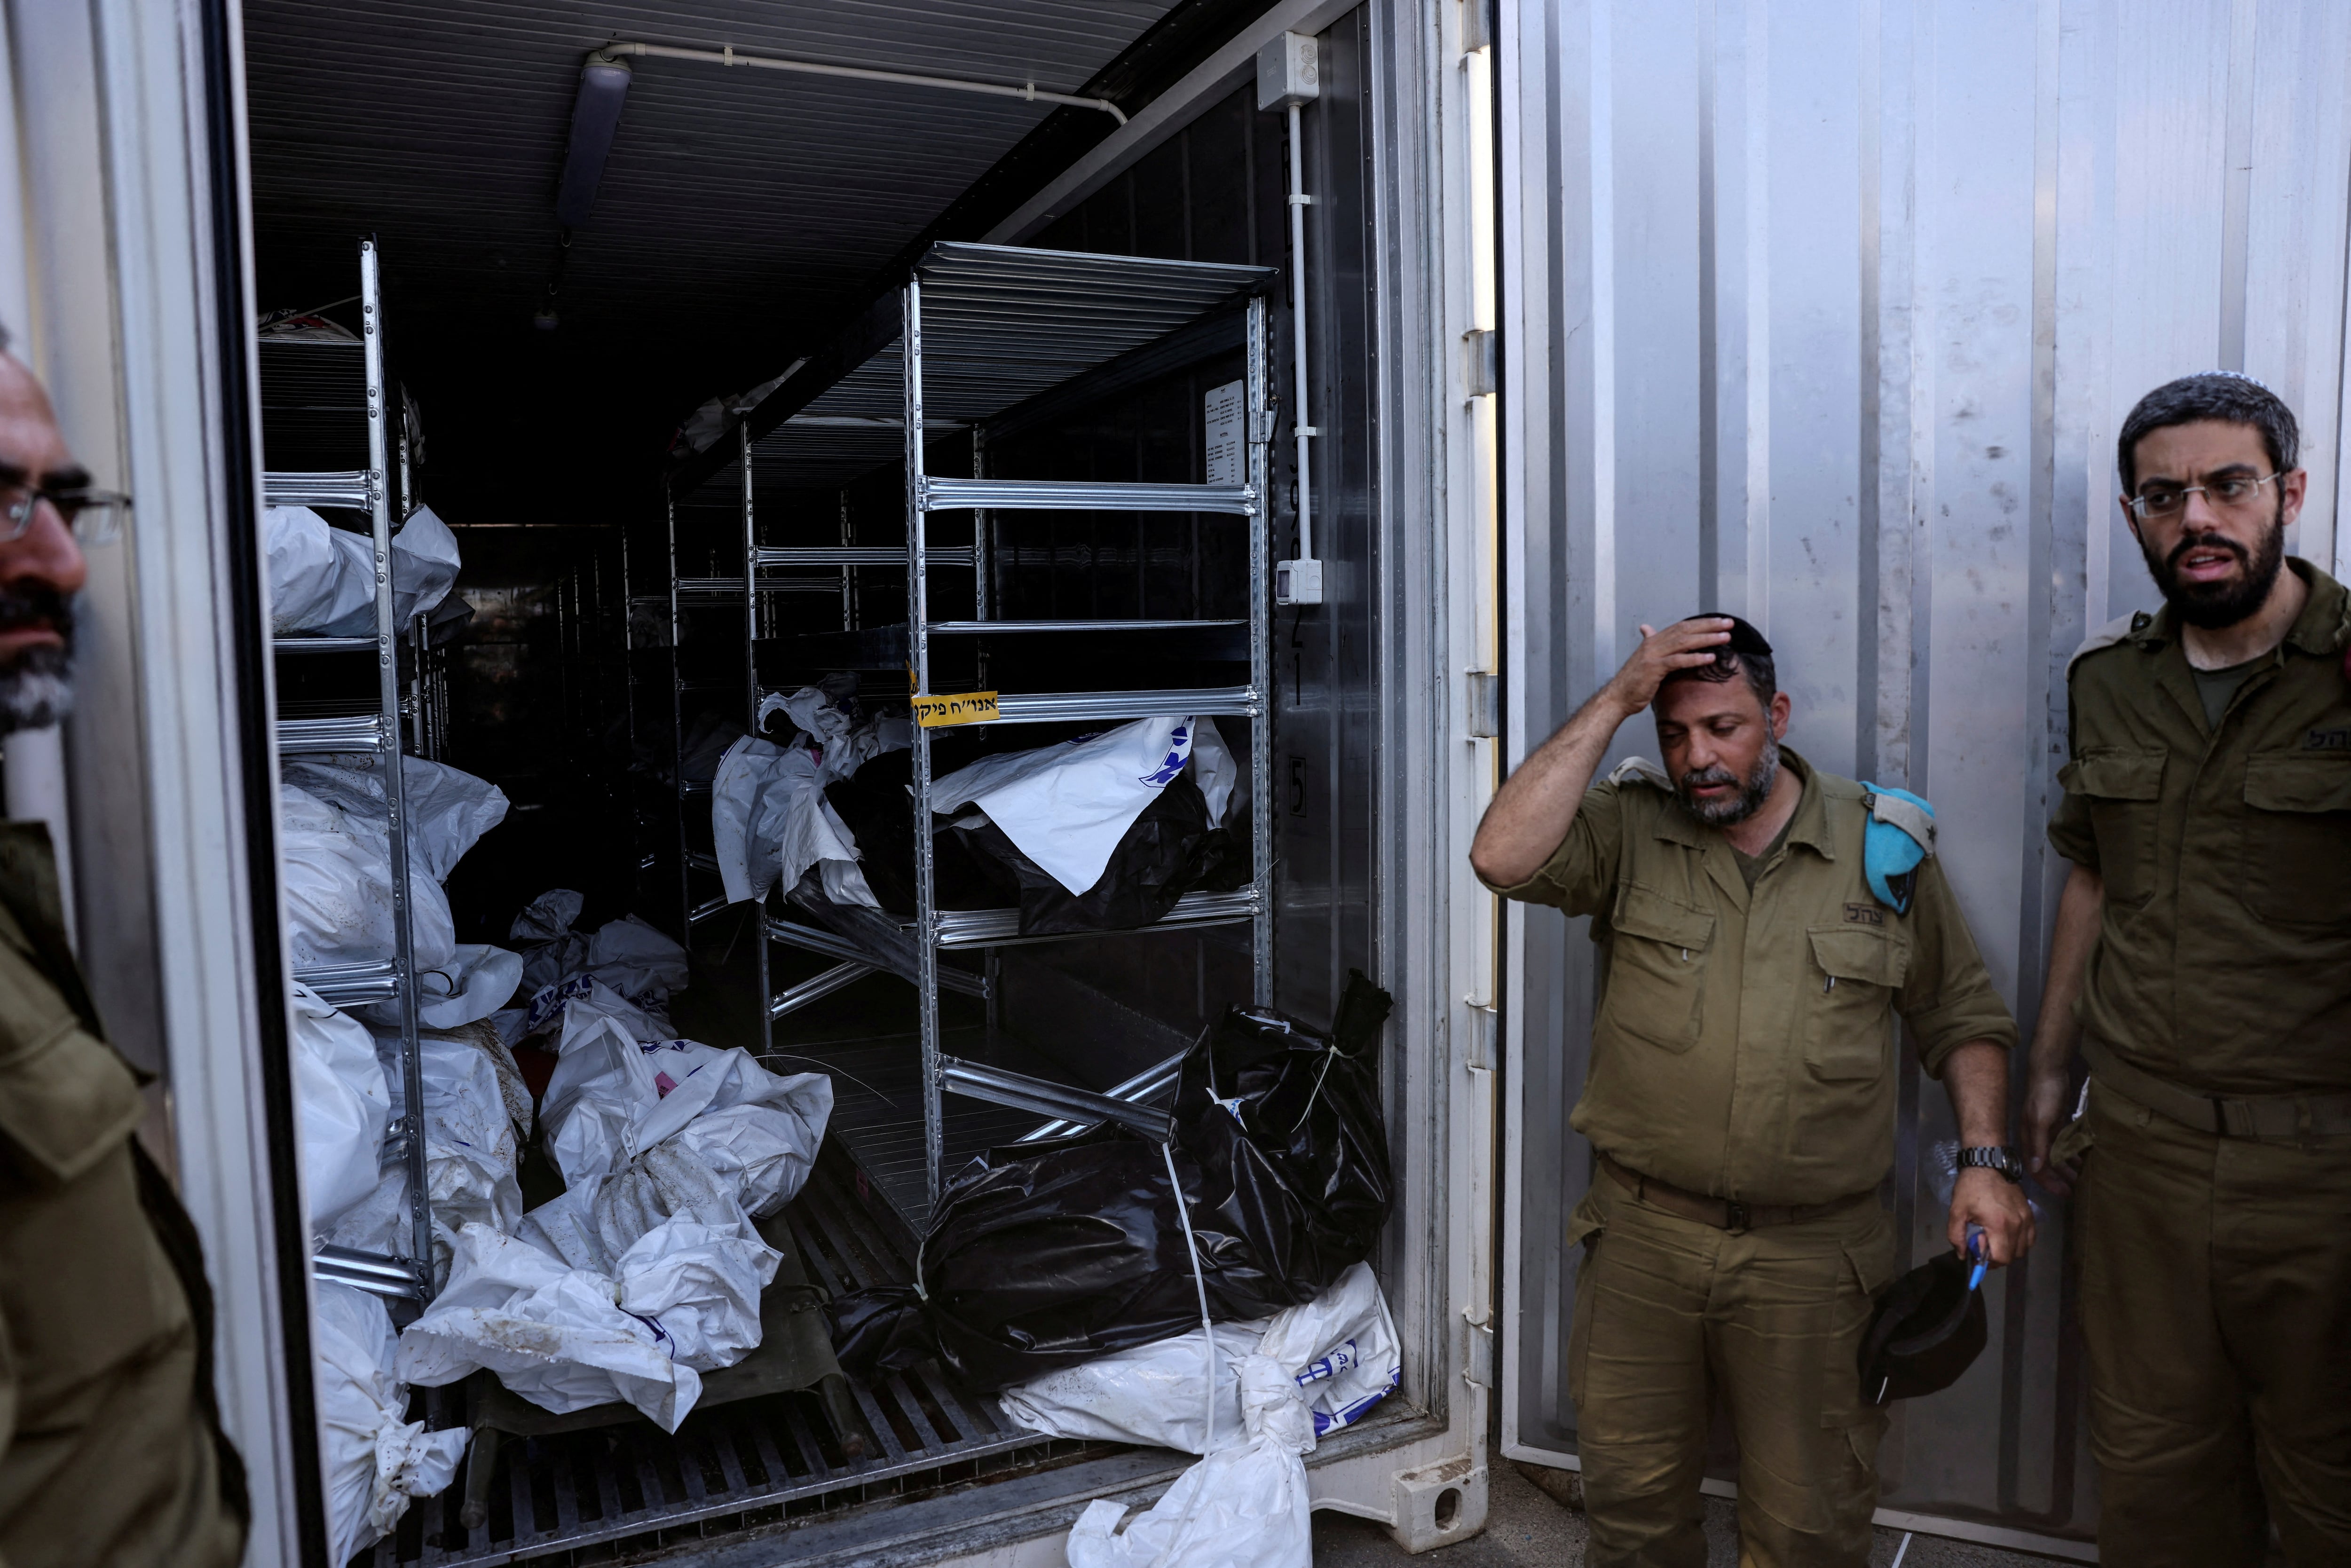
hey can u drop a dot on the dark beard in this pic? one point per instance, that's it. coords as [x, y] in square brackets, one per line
[2223, 604]
[37, 690]
[1754, 789]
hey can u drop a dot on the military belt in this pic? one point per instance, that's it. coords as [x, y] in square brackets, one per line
[1723, 1213]
[2284, 1116]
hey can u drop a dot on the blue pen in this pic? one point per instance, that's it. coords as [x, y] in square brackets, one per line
[1976, 1251]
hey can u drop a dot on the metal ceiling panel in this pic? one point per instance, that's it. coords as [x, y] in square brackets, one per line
[440, 125]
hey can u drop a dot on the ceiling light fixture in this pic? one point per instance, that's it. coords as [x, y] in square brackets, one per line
[595, 116]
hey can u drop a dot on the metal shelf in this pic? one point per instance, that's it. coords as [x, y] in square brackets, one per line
[300, 644]
[862, 555]
[991, 627]
[347, 985]
[356, 732]
[1080, 496]
[354, 491]
[1055, 708]
[1001, 928]
[398, 1278]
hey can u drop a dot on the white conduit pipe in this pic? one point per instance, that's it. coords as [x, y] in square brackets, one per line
[1298, 202]
[726, 55]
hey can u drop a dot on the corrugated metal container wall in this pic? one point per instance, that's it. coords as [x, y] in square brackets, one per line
[1826, 315]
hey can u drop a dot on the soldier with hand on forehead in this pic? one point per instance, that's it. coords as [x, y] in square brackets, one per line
[1755, 947]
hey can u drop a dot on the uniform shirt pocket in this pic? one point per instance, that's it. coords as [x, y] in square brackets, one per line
[1657, 968]
[2298, 838]
[1859, 969]
[67, 1102]
[2124, 789]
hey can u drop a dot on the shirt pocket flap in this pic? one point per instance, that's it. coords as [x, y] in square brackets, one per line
[2115, 775]
[1851, 952]
[1641, 913]
[67, 1103]
[2291, 783]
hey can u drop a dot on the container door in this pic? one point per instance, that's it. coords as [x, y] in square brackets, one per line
[1826, 315]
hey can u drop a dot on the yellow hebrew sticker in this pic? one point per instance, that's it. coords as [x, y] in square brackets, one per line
[962, 707]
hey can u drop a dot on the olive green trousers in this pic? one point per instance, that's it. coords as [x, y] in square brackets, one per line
[2216, 1311]
[1671, 1315]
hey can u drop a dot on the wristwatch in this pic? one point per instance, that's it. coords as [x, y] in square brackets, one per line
[2000, 1158]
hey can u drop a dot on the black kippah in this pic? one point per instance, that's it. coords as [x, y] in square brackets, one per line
[1744, 638]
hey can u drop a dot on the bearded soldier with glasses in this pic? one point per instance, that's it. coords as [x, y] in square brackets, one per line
[2201, 962]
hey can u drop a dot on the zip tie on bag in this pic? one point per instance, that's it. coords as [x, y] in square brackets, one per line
[1200, 1284]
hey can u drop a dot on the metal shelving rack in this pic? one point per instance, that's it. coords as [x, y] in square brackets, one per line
[984, 328]
[377, 733]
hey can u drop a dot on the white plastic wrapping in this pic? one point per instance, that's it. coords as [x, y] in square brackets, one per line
[473, 1099]
[684, 1300]
[1067, 806]
[636, 960]
[341, 1108]
[472, 986]
[376, 1463]
[1340, 1351]
[611, 1098]
[769, 821]
[448, 809]
[1313, 1368]
[322, 578]
[1245, 1507]
[337, 880]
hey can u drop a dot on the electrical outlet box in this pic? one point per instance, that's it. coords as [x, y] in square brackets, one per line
[1297, 583]
[1288, 71]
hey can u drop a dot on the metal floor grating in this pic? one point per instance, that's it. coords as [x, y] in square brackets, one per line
[767, 1457]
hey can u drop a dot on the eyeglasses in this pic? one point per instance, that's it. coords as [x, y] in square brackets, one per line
[94, 515]
[2170, 500]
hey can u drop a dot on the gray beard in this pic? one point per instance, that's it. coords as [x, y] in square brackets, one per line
[37, 691]
[1754, 791]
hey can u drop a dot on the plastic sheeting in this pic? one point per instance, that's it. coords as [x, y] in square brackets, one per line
[336, 874]
[1246, 1505]
[477, 1109]
[1340, 1353]
[769, 820]
[376, 1462]
[335, 846]
[1067, 806]
[1048, 1254]
[322, 578]
[342, 1105]
[448, 809]
[612, 1098]
[472, 986]
[1169, 850]
[682, 1300]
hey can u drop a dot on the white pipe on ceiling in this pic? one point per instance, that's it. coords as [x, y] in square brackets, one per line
[727, 56]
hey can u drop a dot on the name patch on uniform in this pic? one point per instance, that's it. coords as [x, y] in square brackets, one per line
[1864, 914]
[2327, 740]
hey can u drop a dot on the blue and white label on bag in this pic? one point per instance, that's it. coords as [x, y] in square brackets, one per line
[1179, 752]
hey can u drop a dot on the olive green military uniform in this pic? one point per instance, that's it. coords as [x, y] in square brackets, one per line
[110, 1445]
[1743, 1052]
[2214, 1220]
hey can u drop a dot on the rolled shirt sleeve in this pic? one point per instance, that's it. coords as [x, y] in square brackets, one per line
[1948, 997]
[1581, 875]
[2070, 834]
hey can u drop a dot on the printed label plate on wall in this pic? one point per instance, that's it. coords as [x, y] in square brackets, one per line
[960, 708]
[1221, 416]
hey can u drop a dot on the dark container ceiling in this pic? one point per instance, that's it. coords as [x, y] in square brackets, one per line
[741, 214]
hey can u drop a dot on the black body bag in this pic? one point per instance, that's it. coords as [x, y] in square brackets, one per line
[1041, 1256]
